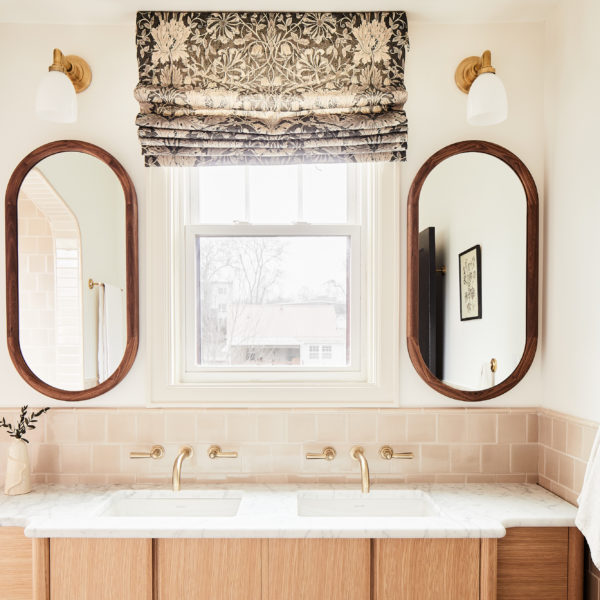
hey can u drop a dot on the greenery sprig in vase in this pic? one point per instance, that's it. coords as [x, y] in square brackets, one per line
[18, 476]
[25, 423]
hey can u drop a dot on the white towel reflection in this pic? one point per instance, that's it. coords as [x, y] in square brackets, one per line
[111, 327]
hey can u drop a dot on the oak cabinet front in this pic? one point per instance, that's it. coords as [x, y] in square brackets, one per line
[540, 562]
[270, 569]
[100, 569]
[318, 569]
[426, 569]
[529, 563]
[207, 569]
[15, 565]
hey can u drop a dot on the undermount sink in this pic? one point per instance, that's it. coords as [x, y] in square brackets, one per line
[170, 504]
[409, 503]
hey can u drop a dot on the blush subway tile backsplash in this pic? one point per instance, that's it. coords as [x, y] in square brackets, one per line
[564, 448]
[565, 444]
[517, 445]
[460, 445]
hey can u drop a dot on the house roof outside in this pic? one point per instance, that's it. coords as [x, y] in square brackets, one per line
[284, 324]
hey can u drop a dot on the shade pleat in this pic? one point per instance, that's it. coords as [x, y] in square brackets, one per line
[271, 88]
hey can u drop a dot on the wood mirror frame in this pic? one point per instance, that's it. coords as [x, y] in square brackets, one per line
[12, 269]
[531, 286]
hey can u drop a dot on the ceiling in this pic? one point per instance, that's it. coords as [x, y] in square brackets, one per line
[115, 12]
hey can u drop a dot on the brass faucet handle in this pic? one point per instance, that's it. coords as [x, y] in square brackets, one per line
[328, 453]
[155, 453]
[215, 452]
[387, 453]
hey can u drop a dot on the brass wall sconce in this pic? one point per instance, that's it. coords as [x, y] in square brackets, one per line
[486, 103]
[56, 95]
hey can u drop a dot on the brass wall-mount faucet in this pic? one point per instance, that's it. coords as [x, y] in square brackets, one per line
[358, 453]
[184, 452]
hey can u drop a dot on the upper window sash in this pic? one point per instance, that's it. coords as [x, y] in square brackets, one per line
[194, 196]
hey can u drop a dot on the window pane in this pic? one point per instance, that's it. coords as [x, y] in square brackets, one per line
[221, 194]
[273, 193]
[324, 193]
[272, 301]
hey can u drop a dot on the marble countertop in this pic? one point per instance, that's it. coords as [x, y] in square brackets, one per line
[460, 511]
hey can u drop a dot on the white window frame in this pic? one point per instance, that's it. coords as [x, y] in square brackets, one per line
[375, 384]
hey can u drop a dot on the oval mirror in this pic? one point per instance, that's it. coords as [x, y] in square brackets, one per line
[472, 270]
[71, 270]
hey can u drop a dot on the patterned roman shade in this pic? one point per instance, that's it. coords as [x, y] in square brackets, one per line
[271, 88]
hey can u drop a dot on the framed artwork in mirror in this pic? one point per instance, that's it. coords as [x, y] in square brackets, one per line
[469, 270]
[71, 270]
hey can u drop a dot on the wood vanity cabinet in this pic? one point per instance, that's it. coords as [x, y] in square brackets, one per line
[271, 569]
[318, 569]
[208, 569]
[424, 569]
[99, 569]
[540, 562]
[529, 563]
[15, 565]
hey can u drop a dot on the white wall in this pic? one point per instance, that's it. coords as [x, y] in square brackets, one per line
[436, 111]
[571, 294]
[476, 199]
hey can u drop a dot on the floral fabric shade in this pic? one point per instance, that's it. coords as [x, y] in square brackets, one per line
[271, 88]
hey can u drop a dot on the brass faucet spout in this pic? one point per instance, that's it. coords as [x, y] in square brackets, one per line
[184, 452]
[358, 453]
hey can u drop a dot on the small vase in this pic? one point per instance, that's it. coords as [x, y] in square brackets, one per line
[18, 477]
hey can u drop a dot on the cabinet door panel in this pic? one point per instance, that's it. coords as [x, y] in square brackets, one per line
[426, 569]
[100, 569]
[318, 569]
[15, 564]
[532, 563]
[208, 569]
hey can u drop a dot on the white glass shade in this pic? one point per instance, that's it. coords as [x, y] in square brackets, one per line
[56, 99]
[487, 103]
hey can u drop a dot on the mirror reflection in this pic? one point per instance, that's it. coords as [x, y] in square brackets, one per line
[71, 229]
[472, 271]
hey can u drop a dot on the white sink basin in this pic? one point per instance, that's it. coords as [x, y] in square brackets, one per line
[404, 503]
[171, 504]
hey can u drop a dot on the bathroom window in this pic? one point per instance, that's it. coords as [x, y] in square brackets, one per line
[275, 284]
[285, 242]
